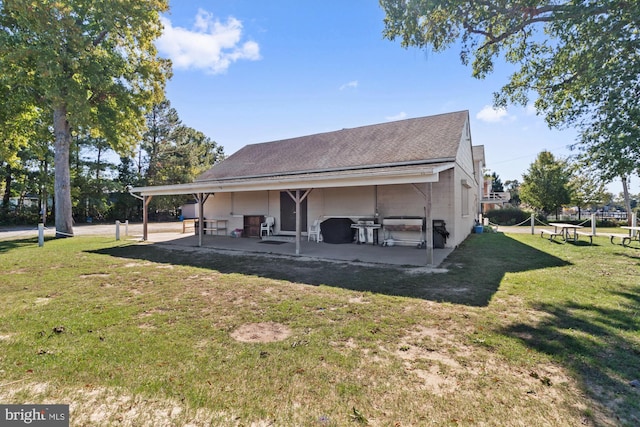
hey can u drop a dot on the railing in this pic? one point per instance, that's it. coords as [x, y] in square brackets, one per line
[496, 197]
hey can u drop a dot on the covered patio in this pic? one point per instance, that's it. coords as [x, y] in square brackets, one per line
[409, 256]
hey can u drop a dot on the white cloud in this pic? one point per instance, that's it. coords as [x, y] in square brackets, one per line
[530, 110]
[351, 85]
[210, 45]
[493, 115]
[401, 115]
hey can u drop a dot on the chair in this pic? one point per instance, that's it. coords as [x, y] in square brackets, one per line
[267, 225]
[314, 230]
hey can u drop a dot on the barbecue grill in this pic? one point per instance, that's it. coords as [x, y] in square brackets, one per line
[367, 230]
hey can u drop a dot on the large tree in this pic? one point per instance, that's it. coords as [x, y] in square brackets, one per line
[545, 186]
[172, 153]
[91, 64]
[580, 60]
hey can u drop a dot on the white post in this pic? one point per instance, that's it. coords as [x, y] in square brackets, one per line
[117, 230]
[126, 228]
[593, 224]
[533, 223]
[634, 223]
[41, 234]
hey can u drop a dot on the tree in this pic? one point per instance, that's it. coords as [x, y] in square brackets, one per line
[173, 153]
[586, 188]
[545, 185]
[613, 155]
[513, 187]
[162, 120]
[16, 130]
[496, 183]
[90, 65]
[581, 59]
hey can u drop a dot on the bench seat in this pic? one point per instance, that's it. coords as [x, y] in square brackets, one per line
[586, 234]
[551, 234]
[625, 239]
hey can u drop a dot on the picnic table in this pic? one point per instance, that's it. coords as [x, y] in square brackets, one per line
[634, 234]
[566, 231]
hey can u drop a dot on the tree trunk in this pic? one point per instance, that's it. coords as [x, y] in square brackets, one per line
[6, 198]
[627, 201]
[62, 186]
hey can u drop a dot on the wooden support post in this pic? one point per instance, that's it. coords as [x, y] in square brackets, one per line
[145, 217]
[298, 199]
[201, 198]
[429, 224]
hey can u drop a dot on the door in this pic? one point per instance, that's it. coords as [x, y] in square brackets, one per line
[288, 213]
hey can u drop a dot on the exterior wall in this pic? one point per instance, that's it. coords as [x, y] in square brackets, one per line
[357, 202]
[234, 206]
[466, 190]
[352, 202]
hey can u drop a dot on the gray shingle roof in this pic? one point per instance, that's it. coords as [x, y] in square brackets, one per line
[412, 141]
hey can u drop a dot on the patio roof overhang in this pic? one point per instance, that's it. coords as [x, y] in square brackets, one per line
[406, 174]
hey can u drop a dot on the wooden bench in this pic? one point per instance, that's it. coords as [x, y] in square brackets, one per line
[551, 234]
[586, 234]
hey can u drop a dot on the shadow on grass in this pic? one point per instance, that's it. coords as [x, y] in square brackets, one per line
[475, 269]
[11, 244]
[595, 343]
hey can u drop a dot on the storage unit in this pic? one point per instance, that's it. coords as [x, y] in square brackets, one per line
[252, 225]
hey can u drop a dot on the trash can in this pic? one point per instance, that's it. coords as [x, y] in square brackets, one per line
[440, 234]
[478, 229]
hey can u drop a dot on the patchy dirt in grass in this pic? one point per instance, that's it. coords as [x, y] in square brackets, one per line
[94, 406]
[94, 275]
[261, 332]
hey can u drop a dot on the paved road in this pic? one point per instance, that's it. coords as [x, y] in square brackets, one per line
[134, 230]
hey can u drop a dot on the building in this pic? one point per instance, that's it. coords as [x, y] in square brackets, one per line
[402, 175]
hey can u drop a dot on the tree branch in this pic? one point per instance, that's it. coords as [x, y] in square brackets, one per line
[100, 38]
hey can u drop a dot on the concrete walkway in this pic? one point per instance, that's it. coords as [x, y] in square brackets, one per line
[170, 234]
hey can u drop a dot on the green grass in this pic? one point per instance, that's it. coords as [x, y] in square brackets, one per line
[519, 331]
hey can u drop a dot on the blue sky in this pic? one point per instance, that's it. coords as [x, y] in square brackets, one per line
[248, 71]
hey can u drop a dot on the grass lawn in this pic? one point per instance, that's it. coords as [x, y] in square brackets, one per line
[520, 331]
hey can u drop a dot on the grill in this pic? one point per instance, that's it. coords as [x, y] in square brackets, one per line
[367, 230]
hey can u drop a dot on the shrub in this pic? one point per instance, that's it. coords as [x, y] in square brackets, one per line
[507, 216]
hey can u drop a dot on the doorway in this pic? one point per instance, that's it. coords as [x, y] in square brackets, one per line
[288, 213]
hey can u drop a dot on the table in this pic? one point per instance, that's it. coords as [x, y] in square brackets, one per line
[566, 230]
[634, 233]
[214, 225]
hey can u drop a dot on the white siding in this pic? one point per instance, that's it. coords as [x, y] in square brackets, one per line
[353, 202]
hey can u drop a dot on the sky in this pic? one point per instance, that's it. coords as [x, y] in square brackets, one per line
[250, 71]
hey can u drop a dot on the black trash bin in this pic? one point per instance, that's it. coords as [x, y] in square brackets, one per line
[440, 234]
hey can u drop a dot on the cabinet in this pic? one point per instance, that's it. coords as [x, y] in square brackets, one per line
[252, 225]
